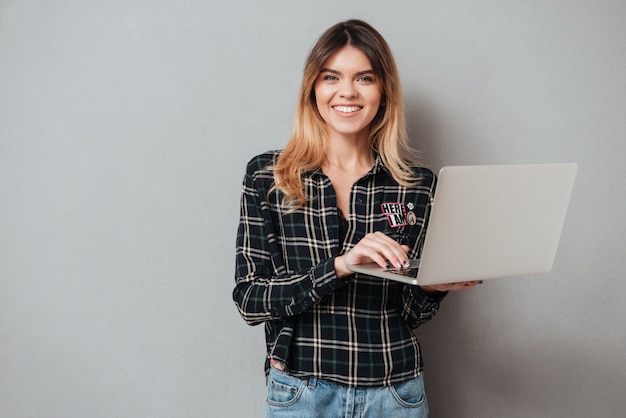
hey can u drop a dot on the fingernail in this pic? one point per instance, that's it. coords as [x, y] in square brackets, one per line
[387, 264]
[407, 263]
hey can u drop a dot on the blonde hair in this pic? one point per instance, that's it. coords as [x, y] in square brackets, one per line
[388, 136]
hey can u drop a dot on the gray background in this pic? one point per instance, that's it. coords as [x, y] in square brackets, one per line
[125, 127]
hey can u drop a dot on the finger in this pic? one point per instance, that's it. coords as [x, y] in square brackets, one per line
[452, 287]
[437, 288]
[366, 251]
[380, 249]
[394, 253]
[466, 285]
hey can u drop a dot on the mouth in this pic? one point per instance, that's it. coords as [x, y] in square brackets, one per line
[347, 109]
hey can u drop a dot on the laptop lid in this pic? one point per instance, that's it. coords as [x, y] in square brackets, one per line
[491, 221]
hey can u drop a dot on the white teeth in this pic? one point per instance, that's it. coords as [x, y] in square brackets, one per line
[347, 109]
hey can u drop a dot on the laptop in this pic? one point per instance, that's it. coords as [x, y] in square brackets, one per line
[490, 221]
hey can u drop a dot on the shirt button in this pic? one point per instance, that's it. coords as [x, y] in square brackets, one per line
[359, 201]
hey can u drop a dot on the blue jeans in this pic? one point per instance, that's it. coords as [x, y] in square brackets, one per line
[292, 397]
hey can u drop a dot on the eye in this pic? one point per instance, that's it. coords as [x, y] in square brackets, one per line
[366, 79]
[329, 77]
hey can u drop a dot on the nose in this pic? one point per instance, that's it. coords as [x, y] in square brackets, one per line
[347, 90]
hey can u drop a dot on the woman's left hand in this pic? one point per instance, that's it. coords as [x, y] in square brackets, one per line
[451, 287]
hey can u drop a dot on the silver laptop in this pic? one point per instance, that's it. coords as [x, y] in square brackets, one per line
[490, 221]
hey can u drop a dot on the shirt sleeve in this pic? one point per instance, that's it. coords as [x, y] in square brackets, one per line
[419, 307]
[263, 290]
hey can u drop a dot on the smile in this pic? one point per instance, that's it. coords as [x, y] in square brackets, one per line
[347, 109]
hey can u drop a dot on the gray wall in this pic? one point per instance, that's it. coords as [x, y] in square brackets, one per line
[125, 127]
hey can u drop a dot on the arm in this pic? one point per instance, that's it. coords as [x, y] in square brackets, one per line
[421, 303]
[419, 306]
[264, 290]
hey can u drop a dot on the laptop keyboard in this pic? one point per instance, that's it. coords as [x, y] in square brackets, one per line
[410, 272]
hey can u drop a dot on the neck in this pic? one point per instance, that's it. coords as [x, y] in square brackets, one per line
[349, 153]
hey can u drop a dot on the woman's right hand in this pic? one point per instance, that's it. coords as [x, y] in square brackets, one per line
[373, 248]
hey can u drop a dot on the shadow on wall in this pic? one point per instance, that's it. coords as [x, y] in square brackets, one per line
[486, 355]
[440, 145]
[422, 130]
[517, 347]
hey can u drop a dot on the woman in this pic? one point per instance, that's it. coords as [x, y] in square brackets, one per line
[345, 190]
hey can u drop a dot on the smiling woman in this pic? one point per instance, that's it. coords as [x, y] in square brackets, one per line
[387, 130]
[321, 204]
[348, 95]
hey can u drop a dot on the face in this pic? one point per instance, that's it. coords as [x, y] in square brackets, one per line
[348, 93]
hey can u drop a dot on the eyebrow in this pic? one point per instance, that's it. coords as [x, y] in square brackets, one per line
[358, 73]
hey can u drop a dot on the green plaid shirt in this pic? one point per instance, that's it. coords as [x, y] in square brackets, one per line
[354, 330]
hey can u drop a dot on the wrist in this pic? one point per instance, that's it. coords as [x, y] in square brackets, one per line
[341, 267]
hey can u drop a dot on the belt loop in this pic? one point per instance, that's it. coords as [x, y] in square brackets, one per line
[312, 382]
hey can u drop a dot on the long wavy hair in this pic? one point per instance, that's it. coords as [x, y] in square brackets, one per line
[305, 150]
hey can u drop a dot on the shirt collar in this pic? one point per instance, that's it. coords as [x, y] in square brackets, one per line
[379, 166]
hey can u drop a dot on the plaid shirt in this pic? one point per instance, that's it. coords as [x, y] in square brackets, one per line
[354, 330]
